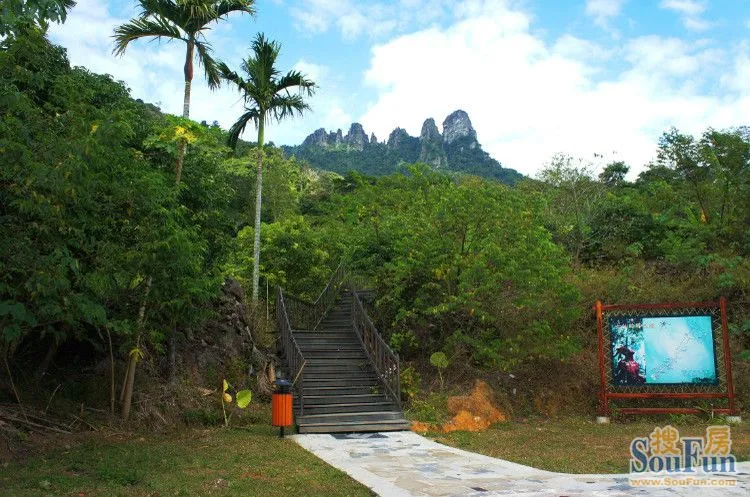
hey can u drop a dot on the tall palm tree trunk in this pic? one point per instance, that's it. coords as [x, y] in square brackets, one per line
[258, 200]
[185, 107]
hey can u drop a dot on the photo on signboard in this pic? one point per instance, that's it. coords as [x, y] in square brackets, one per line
[662, 350]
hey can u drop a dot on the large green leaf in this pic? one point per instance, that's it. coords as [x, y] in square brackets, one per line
[243, 398]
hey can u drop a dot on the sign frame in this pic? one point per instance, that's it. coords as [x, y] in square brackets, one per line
[724, 389]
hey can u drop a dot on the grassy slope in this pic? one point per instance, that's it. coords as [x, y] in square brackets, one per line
[217, 462]
[575, 445]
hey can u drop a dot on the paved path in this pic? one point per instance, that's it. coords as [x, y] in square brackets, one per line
[404, 464]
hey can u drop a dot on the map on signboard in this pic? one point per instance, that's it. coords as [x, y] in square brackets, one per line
[662, 350]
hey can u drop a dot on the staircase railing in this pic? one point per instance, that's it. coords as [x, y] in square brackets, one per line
[293, 354]
[304, 315]
[383, 359]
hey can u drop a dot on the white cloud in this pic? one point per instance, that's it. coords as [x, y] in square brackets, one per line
[354, 18]
[690, 11]
[328, 108]
[578, 48]
[529, 99]
[154, 71]
[604, 10]
[685, 7]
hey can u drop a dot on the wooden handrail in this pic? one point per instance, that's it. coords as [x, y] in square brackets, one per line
[382, 357]
[293, 353]
[305, 315]
[293, 313]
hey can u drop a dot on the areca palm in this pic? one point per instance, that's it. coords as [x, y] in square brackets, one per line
[187, 21]
[266, 93]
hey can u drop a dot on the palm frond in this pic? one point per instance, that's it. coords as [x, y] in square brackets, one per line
[152, 27]
[225, 7]
[227, 74]
[295, 79]
[261, 64]
[168, 9]
[210, 66]
[239, 127]
[283, 106]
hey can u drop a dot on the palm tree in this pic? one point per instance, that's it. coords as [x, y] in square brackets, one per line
[266, 95]
[184, 20]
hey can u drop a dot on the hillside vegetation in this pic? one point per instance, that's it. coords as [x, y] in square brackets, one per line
[499, 278]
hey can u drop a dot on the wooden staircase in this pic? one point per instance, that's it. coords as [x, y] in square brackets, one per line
[344, 374]
[342, 392]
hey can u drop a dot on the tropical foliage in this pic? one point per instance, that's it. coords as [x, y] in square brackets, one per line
[99, 247]
[267, 95]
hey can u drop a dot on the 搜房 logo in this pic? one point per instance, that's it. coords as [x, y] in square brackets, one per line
[679, 460]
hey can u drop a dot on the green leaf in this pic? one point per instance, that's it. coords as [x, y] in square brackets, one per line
[439, 360]
[225, 386]
[243, 398]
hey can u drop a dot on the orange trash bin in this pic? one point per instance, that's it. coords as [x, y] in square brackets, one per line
[281, 405]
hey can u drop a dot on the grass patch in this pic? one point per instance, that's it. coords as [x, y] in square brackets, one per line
[217, 462]
[576, 445]
[431, 408]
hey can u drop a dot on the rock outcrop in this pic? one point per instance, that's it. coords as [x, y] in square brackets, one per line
[397, 137]
[319, 138]
[356, 138]
[456, 149]
[458, 125]
[431, 145]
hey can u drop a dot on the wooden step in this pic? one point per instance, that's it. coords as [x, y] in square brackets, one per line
[340, 382]
[342, 368]
[354, 427]
[348, 408]
[349, 338]
[353, 417]
[338, 390]
[317, 347]
[341, 378]
[335, 398]
[325, 333]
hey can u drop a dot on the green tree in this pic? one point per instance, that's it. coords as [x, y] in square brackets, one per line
[572, 195]
[614, 173]
[266, 94]
[186, 21]
[19, 15]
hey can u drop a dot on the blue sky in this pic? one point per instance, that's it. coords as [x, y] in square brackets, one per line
[596, 79]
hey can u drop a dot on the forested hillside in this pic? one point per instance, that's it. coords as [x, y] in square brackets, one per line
[454, 151]
[99, 246]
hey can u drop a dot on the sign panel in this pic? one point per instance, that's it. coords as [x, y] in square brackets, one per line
[662, 350]
[675, 351]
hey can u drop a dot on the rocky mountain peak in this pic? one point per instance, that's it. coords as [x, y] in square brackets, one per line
[356, 138]
[319, 138]
[456, 126]
[430, 131]
[456, 149]
[431, 145]
[397, 137]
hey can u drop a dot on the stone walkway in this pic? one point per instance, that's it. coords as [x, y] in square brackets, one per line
[404, 464]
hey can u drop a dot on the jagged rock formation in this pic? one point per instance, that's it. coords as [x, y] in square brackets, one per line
[319, 138]
[457, 126]
[431, 142]
[356, 138]
[455, 150]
